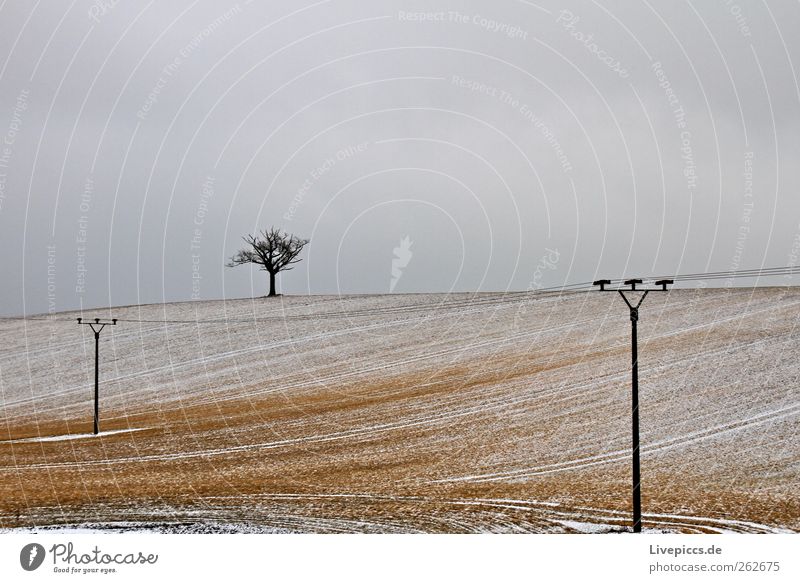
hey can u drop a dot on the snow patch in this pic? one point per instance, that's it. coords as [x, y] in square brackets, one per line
[71, 437]
[586, 527]
[148, 527]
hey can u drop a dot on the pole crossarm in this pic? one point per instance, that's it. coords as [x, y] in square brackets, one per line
[97, 327]
[97, 322]
[631, 285]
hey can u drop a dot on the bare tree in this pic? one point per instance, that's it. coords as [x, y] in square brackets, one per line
[274, 250]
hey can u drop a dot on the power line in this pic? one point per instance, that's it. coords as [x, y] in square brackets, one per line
[761, 272]
[505, 298]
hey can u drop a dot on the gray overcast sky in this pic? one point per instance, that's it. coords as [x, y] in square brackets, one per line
[516, 144]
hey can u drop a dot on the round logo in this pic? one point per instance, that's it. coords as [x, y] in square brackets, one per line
[31, 556]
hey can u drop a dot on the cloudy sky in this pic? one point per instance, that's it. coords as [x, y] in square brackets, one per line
[471, 145]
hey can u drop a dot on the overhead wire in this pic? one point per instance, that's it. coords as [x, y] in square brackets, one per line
[488, 300]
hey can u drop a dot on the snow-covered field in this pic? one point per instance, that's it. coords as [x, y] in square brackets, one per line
[407, 413]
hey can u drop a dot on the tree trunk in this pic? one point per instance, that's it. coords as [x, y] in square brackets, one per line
[272, 292]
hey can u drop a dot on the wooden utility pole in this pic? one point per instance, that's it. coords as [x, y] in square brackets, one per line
[97, 327]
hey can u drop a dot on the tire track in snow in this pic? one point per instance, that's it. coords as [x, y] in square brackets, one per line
[545, 511]
[478, 408]
[203, 361]
[624, 455]
[291, 342]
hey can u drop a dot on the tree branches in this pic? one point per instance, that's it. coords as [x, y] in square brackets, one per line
[273, 249]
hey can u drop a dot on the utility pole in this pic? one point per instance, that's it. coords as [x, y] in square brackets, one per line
[634, 313]
[97, 327]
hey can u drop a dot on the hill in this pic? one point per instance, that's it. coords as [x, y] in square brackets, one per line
[407, 413]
